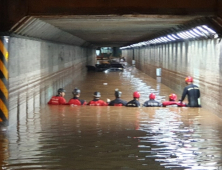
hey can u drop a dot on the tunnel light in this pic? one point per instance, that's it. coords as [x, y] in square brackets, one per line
[209, 29]
[188, 32]
[194, 34]
[216, 35]
[154, 41]
[181, 36]
[197, 32]
[167, 39]
[173, 35]
[143, 43]
[159, 40]
[186, 35]
[170, 37]
[163, 40]
[203, 30]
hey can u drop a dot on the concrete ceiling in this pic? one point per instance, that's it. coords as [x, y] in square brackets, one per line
[116, 31]
[104, 23]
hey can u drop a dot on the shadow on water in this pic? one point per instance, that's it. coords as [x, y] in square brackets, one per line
[69, 137]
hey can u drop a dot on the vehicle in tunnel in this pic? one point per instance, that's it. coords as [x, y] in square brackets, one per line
[111, 66]
[113, 69]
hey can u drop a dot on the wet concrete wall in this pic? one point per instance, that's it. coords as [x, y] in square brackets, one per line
[200, 59]
[37, 69]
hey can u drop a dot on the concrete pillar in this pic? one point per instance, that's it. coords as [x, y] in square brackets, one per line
[4, 80]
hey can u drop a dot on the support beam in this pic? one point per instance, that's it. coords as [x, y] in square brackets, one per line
[4, 80]
[13, 11]
[94, 7]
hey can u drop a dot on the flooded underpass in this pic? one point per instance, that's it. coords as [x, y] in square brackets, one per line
[100, 137]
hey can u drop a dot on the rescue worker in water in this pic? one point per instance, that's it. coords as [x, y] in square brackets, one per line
[59, 98]
[118, 101]
[96, 101]
[135, 102]
[152, 102]
[75, 101]
[193, 93]
[172, 102]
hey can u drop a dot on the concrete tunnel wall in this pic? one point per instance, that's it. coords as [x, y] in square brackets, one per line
[200, 59]
[37, 69]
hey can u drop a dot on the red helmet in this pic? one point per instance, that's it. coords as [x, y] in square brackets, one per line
[136, 94]
[189, 79]
[172, 97]
[152, 96]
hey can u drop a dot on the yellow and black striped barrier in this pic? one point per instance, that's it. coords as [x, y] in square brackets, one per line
[4, 80]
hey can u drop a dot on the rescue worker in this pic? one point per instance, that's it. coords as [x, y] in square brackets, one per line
[193, 93]
[152, 102]
[172, 102]
[135, 102]
[96, 101]
[58, 99]
[75, 101]
[118, 101]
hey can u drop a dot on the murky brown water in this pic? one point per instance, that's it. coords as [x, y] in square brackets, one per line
[93, 138]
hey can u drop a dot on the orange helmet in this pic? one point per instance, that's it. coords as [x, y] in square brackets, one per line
[136, 94]
[172, 97]
[189, 79]
[152, 96]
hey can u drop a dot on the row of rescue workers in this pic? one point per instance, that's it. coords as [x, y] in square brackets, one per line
[191, 91]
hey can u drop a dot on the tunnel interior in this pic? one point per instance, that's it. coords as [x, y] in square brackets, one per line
[48, 41]
[46, 45]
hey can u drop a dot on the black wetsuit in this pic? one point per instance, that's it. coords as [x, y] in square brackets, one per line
[133, 103]
[118, 102]
[152, 103]
[193, 93]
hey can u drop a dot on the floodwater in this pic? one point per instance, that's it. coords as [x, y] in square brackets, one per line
[100, 137]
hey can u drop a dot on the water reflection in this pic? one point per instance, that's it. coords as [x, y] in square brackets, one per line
[3, 148]
[177, 145]
[84, 137]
